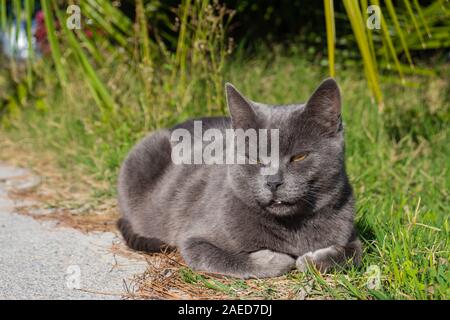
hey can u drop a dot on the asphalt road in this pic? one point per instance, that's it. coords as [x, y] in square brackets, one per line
[41, 261]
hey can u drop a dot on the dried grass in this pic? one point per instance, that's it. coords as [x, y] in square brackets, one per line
[168, 277]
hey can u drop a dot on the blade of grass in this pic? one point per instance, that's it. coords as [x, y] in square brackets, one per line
[117, 17]
[365, 4]
[29, 8]
[379, 295]
[200, 8]
[91, 47]
[417, 70]
[53, 42]
[143, 33]
[394, 18]
[104, 24]
[358, 27]
[17, 8]
[414, 21]
[181, 53]
[145, 70]
[359, 294]
[107, 102]
[385, 53]
[422, 18]
[331, 36]
[3, 18]
[389, 43]
[324, 284]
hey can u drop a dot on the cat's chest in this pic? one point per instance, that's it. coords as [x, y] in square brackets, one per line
[295, 241]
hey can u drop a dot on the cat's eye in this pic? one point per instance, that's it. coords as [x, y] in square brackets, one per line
[299, 157]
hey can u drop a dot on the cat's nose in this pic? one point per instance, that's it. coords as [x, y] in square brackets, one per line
[274, 181]
[273, 184]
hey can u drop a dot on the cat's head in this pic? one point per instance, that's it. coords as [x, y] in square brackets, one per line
[311, 151]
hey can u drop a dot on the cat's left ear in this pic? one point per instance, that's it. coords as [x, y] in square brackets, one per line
[324, 106]
[242, 114]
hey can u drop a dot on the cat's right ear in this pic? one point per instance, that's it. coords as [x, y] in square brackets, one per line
[242, 114]
[324, 107]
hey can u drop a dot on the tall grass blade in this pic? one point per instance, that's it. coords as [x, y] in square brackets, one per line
[182, 48]
[106, 26]
[115, 16]
[358, 26]
[3, 18]
[143, 33]
[414, 21]
[390, 45]
[145, 69]
[200, 35]
[422, 18]
[29, 8]
[53, 42]
[96, 85]
[365, 4]
[394, 18]
[331, 36]
[17, 8]
[91, 47]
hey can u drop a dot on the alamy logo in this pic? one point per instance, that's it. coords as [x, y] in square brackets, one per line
[74, 20]
[231, 146]
[73, 277]
[373, 274]
[374, 20]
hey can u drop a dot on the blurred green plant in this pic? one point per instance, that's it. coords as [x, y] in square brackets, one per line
[108, 33]
[379, 49]
[193, 53]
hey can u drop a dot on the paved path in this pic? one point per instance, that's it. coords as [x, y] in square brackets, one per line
[41, 261]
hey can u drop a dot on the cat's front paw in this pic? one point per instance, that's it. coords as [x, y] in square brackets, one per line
[322, 259]
[267, 263]
[303, 261]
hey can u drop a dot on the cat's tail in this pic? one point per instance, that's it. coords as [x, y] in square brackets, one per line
[138, 242]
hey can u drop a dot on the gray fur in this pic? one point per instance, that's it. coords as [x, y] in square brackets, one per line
[222, 217]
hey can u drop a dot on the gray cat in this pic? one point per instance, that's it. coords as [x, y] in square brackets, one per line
[230, 219]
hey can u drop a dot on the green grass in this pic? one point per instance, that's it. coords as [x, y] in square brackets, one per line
[397, 161]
